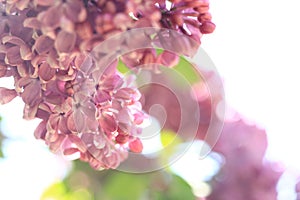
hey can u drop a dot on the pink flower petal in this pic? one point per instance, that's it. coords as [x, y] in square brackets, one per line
[79, 120]
[62, 125]
[75, 11]
[32, 22]
[43, 44]
[124, 116]
[117, 105]
[70, 151]
[87, 138]
[92, 124]
[84, 63]
[127, 94]
[102, 96]
[168, 59]
[139, 118]
[207, 27]
[30, 111]
[3, 70]
[25, 69]
[129, 61]
[41, 130]
[89, 109]
[44, 2]
[112, 161]
[13, 40]
[111, 68]
[108, 123]
[42, 113]
[32, 92]
[46, 73]
[96, 153]
[136, 146]
[96, 164]
[112, 83]
[99, 141]
[25, 53]
[22, 4]
[78, 142]
[51, 136]
[71, 124]
[52, 123]
[122, 139]
[13, 56]
[6, 95]
[55, 146]
[54, 99]
[65, 41]
[51, 17]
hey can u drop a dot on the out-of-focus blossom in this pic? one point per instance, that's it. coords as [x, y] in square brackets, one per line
[245, 174]
[298, 190]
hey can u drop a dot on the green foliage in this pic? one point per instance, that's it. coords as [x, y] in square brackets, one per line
[56, 191]
[122, 67]
[178, 189]
[185, 68]
[59, 191]
[115, 185]
[123, 186]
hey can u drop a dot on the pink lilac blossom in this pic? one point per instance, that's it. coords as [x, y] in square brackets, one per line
[44, 46]
[245, 174]
[200, 100]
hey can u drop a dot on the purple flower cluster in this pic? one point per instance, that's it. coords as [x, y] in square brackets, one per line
[45, 46]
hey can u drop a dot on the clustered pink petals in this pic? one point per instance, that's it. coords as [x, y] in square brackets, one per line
[45, 47]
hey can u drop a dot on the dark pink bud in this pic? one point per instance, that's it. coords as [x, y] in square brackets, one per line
[122, 139]
[136, 146]
[207, 27]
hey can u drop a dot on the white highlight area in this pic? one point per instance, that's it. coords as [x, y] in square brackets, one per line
[28, 167]
[255, 48]
[150, 136]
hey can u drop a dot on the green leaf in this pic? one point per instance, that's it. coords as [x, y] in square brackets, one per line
[178, 189]
[122, 68]
[186, 69]
[122, 186]
[80, 194]
[169, 138]
[57, 191]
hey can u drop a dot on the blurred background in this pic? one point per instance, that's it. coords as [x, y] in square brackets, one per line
[255, 49]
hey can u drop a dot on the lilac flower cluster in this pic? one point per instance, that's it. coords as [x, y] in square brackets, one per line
[45, 46]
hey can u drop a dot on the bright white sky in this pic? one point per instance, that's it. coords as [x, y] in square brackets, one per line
[255, 49]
